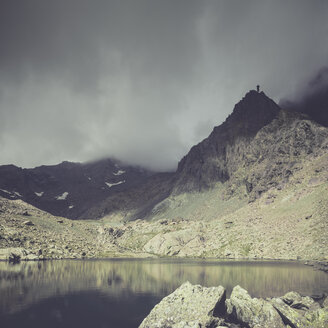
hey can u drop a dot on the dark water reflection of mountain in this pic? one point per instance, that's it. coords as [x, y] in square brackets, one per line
[119, 293]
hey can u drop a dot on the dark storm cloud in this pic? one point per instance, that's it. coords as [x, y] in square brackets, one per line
[142, 80]
[311, 98]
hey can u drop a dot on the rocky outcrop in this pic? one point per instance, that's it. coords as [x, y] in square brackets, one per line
[258, 146]
[186, 242]
[300, 311]
[209, 161]
[252, 312]
[188, 306]
[200, 307]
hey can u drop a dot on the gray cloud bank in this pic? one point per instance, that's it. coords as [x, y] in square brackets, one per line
[143, 80]
[312, 98]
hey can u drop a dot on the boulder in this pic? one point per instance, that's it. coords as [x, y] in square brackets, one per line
[188, 306]
[184, 242]
[317, 318]
[28, 223]
[325, 302]
[296, 301]
[252, 312]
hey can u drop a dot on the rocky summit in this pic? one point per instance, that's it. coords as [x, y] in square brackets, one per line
[194, 306]
[216, 157]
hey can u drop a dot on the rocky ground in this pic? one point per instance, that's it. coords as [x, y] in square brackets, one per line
[194, 306]
[287, 222]
[28, 233]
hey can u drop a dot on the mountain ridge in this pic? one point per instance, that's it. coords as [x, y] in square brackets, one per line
[241, 123]
[68, 189]
[258, 146]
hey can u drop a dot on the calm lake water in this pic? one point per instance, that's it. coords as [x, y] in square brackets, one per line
[120, 293]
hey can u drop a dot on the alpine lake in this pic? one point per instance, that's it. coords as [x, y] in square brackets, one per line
[120, 293]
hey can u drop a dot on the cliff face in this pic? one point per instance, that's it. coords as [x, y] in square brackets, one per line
[211, 160]
[258, 145]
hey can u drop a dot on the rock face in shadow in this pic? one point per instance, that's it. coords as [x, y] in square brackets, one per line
[210, 160]
[258, 144]
[70, 189]
[199, 307]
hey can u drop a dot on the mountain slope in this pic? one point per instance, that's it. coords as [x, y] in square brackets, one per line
[214, 158]
[256, 146]
[69, 189]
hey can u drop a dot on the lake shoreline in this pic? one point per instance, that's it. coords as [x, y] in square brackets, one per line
[316, 264]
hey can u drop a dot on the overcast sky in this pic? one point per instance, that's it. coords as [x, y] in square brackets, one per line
[141, 80]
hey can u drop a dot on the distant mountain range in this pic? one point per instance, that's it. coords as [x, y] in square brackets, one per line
[69, 189]
[258, 147]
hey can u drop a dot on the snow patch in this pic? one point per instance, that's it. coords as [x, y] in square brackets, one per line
[39, 194]
[89, 178]
[17, 194]
[114, 183]
[63, 196]
[70, 207]
[6, 191]
[119, 172]
[9, 193]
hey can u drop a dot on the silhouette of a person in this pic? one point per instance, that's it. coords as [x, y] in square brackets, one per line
[258, 88]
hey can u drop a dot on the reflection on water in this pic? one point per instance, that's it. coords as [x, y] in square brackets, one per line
[119, 293]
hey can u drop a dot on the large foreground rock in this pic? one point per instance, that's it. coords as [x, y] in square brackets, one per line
[252, 312]
[199, 307]
[188, 306]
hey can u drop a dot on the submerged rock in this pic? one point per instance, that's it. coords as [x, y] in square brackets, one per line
[188, 306]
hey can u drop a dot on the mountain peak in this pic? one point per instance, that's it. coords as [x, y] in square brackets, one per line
[250, 114]
[207, 162]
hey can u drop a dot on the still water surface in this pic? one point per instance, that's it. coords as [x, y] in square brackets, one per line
[120, 293]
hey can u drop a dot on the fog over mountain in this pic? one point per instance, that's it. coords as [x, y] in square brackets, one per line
[312, 98]
[143, 80]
